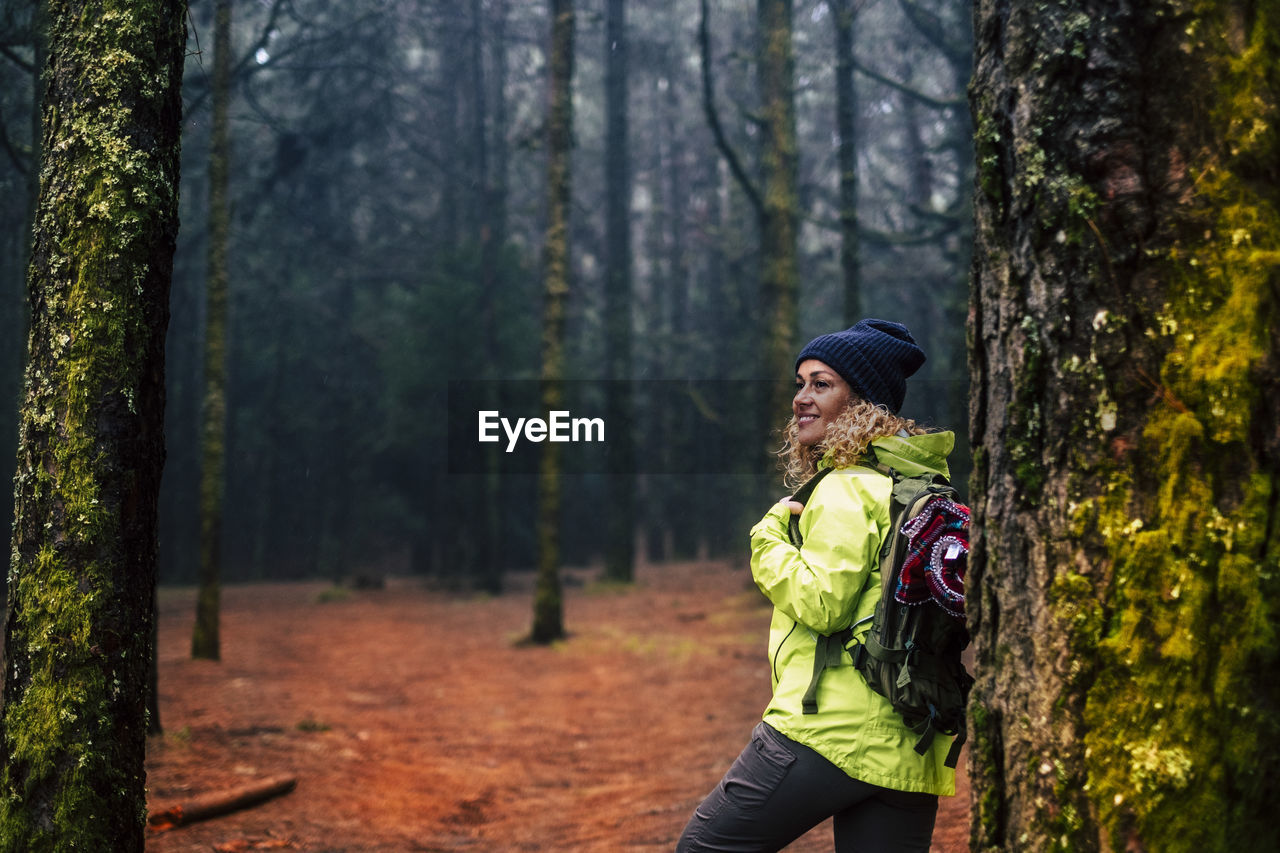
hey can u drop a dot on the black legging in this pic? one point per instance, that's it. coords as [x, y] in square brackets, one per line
[778, 790]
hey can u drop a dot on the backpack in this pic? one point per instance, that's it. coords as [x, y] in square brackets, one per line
[912, 654]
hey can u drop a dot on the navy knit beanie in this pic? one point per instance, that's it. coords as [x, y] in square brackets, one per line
[874, 356]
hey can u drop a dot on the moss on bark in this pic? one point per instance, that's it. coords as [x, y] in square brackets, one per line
[1129, 227]
[91, 448]
[1183, 719]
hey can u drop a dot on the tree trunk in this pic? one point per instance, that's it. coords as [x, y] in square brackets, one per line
[205, 639]
[620, 505]
[492, 247]
[454, 211]
[1124, 349]
[548, 615]
[919, 188]
[778, 218]
[501, 149]
[847, 158]
[479, 113]
[78, 638]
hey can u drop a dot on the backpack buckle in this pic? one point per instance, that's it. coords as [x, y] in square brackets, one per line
[913, 654]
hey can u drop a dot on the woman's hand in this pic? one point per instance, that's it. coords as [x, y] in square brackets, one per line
[795, 506]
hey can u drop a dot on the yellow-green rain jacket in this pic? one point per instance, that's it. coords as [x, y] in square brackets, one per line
[828, 584]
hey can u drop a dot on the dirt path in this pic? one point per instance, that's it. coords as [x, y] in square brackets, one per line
[413, 722]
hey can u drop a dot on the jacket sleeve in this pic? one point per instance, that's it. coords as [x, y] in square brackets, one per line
[817, 584]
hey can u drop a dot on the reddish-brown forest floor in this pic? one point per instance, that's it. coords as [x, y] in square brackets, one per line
[415, 721]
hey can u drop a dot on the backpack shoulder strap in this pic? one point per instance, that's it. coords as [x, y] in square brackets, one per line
[830, 648]
[801, 497]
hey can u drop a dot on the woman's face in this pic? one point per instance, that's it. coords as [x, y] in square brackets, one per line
[821, 395]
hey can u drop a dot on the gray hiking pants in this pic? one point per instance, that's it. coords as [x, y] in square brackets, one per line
[778, 790]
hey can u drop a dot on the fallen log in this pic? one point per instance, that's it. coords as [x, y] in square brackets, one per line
[220, 803]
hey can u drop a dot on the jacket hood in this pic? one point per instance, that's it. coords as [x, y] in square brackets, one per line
[917, 454]
[913, 455]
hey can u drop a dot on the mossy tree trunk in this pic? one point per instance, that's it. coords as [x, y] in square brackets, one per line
[780, 204]
[1124, 357]
[621, 508]
[206, 641]
[91, 449]
[548, 608]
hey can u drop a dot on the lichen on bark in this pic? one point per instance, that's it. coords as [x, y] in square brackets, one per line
[1183, 720]
[82, 568]
[1128, 227]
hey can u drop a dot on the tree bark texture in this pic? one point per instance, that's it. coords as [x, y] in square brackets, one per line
[548, 609]
[206, 641]
[91, 447]
[1124, 579]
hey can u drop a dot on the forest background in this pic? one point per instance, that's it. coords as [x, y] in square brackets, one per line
[388, 209]
[403, 225]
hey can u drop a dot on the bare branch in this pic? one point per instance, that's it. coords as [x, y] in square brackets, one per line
[951, 217]
[8, 53]
[892, 238]
[713, 118]
[247, 64]
[264, 37]
[929, 24]
[915, 94]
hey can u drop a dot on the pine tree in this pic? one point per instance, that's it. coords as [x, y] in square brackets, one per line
[548, 608]
[621, 499]
[206, 639]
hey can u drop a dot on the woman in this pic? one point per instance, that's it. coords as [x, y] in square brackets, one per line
[852, 759]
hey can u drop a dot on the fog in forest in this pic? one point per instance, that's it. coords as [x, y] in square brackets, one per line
[388, 211]
[479, 298]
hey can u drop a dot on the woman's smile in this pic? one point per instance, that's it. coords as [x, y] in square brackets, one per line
[821, 395]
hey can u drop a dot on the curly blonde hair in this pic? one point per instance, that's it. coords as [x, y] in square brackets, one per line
[846, 439]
